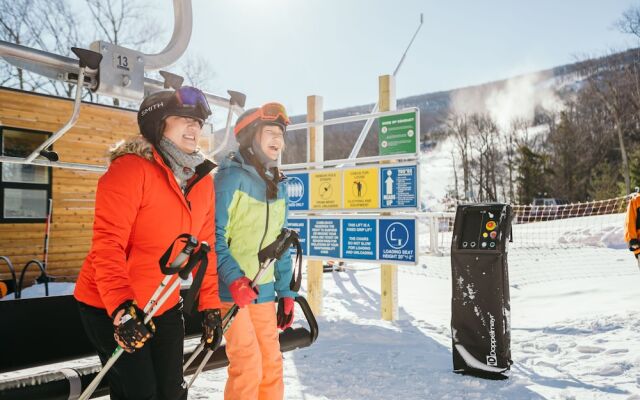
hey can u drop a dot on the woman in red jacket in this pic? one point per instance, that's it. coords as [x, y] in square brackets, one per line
[157, 187]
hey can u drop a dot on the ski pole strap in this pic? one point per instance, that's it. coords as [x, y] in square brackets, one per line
[200, 257]
[190, 244]
[275, 250]
[296, 278]
[279, 246]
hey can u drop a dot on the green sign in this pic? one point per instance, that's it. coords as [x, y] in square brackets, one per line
[397, 134]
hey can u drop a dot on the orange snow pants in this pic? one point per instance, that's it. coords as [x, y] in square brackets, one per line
[253, 349]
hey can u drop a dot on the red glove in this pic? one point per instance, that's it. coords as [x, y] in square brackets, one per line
[242, 292]
[285, 312]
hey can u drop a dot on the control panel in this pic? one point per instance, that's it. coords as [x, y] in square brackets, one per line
[480, 229]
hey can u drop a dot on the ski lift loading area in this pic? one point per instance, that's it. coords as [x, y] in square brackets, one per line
[56, 148]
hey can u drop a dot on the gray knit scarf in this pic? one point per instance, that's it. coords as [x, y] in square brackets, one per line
[182, 164]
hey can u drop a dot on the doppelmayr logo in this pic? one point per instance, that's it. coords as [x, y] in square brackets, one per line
[492, 358]
[151, 108]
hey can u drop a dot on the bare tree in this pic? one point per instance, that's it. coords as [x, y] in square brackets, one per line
[197, 72]
[124, 23]
[47, 25]
[458, 126]
[488, 162]
[17, 26]
[629, 22]
[510, 142]
[606, 82]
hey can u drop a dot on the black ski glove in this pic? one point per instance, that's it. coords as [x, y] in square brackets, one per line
[634, 245]
[129, 330]
[212, 328]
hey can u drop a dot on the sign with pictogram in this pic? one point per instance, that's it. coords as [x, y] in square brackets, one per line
[326, 190]
[361, 188]
[398, 187]
[397, 240]
[298, 191]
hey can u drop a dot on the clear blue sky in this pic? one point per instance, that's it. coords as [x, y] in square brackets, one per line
[287, 49]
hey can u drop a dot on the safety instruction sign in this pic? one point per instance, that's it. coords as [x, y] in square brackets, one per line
[399, 187]
[301, 226]
[397, 134]
[359, 239]
[375, 187]
[326, 190]
[298, 191]
[324, 238]
[361, 188]
[384, 240]
[398, 240]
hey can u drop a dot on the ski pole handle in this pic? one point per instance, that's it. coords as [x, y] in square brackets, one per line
[191, 242]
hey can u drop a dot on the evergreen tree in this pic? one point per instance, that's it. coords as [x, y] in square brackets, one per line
[532, 174]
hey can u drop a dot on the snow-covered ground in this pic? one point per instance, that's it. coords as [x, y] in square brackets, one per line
[573, 338]
[575, 329]
[575, 295]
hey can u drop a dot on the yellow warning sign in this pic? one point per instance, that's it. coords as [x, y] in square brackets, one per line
[361, 188]
[326, 190]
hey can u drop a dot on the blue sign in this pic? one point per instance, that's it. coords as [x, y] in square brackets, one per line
[397, 240]
[324, 238]
[298, 191]
[300, 226]
[399, 187]
[359, 239]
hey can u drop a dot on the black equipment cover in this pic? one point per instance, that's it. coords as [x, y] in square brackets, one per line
[480, 310]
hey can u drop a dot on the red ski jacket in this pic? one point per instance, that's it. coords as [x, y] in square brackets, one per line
[140, 210]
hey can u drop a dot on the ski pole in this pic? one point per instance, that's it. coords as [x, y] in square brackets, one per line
[158, 298]
[266, 257]
[228, 317]
[225, 326]
[45, 256]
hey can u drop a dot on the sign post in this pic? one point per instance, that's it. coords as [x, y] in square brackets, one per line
[315, 153]
[389, 272]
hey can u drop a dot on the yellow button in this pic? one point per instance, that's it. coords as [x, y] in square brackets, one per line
[491, 225]
[485, 234]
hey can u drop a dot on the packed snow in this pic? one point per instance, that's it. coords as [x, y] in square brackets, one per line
[575, 324]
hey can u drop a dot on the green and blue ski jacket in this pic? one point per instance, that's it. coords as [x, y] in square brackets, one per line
[245, 223]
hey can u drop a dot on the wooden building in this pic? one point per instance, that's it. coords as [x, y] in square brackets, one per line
[26, 120]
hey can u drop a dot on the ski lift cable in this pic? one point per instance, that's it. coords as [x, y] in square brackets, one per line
[367, 126]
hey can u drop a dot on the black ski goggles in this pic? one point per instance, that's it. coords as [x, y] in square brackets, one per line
[190, 102]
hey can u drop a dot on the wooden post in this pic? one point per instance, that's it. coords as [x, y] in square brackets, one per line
[389, 272]
[315, 152]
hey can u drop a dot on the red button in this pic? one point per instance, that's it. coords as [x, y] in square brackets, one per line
[491, 225]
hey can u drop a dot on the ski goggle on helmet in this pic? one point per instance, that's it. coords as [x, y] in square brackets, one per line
[189, 102]
[270, 112]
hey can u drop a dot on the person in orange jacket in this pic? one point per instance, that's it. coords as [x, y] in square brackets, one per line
[632, 225]
[158, 186]
[251, 210]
